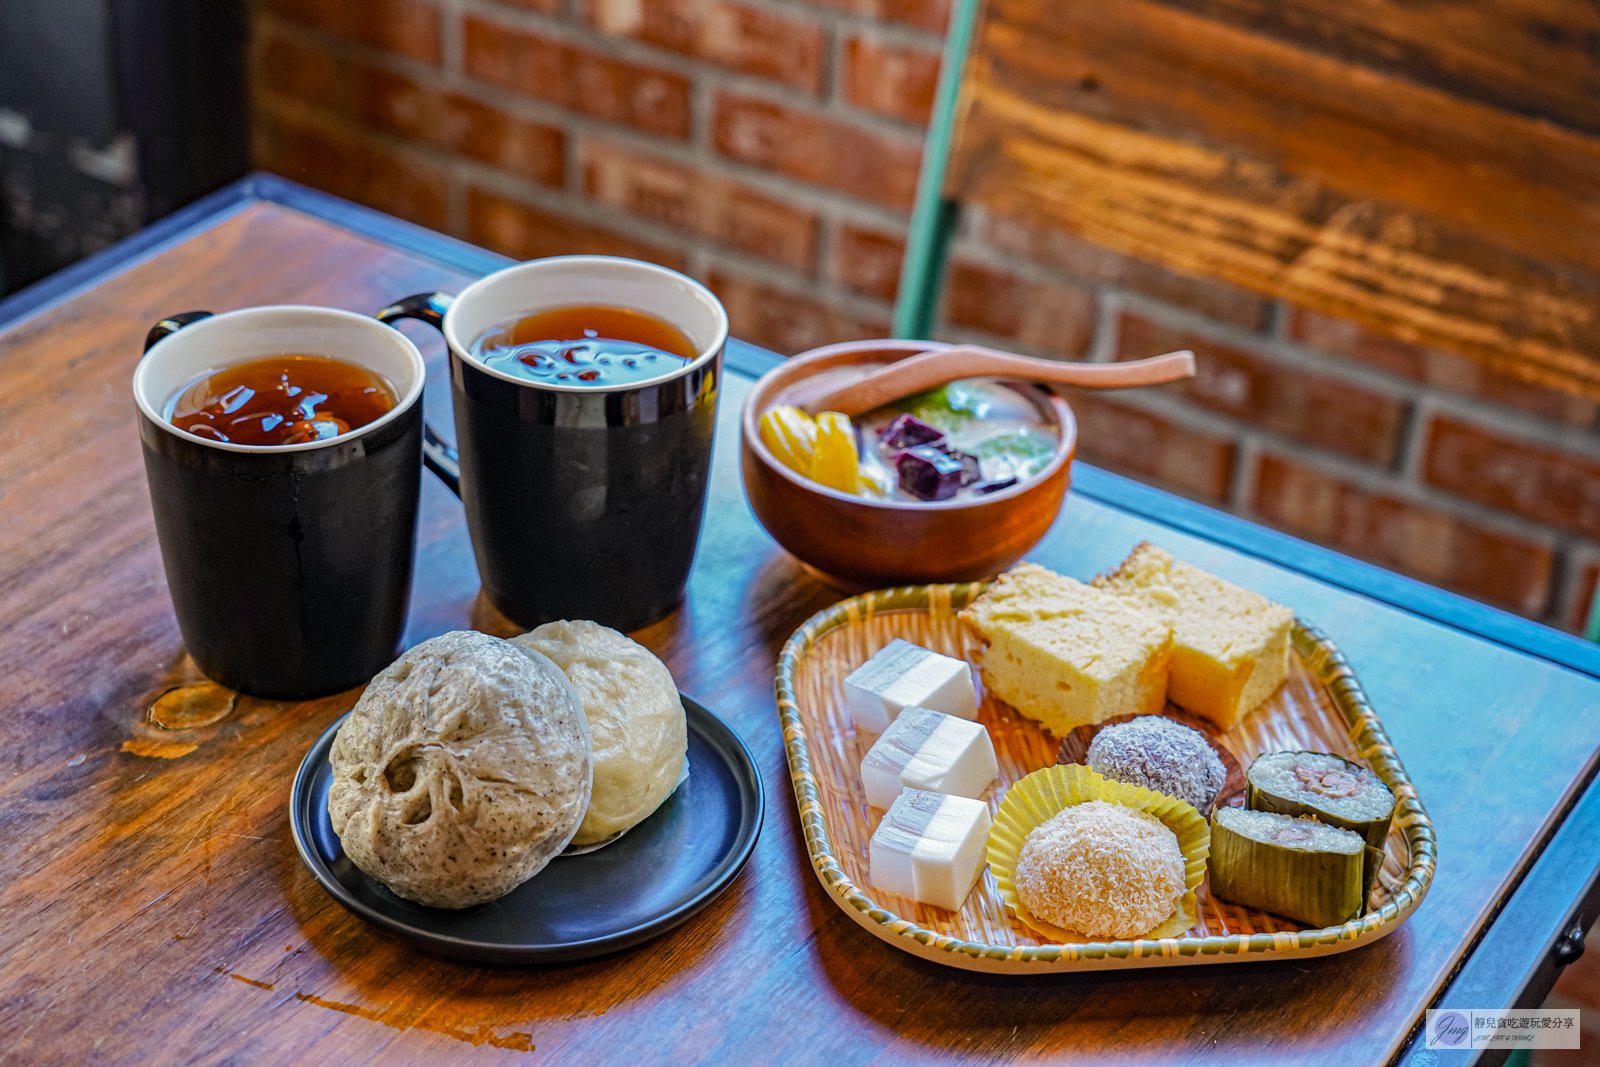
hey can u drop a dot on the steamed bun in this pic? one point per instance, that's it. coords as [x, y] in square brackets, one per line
[636, 722]
[462, 770]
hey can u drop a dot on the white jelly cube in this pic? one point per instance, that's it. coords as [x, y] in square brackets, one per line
[925, 749]
[903, 675]
[930, 847]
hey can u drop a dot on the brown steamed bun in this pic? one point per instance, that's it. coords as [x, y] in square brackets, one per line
[462, 770]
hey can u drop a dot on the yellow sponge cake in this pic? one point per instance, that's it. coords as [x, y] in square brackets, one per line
[1067, 654]
[1230, 647]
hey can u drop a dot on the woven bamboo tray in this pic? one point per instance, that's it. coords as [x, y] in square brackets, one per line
[1320, 708]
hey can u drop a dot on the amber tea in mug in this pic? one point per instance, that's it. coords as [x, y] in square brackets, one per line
[598, 347]
[288, 544]
[280, 400]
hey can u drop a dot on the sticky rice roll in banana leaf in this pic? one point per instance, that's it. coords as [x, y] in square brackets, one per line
[1331, 788]
[1295, 867]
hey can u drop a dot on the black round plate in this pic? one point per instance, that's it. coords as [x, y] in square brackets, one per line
[651, 879]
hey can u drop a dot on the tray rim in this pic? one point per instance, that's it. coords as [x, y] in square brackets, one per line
[1322, 658]
[716, 733]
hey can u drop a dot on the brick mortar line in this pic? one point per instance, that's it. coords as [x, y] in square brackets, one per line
[344, 48]
[1115, 299]
[971, 242]
[776, 277]
[833, 63]
[1570, 551]
[473, 173]
[1282, 353]
[1565, 574]
[565, 203]
[1568, 555]
[956, 334]
[1277, 324]
[1547, 615]
[1568, 597]
[702, 119]
[1272, 338]
[531, 108]
[1107, 328]
[1502, 420]
[1559, 595]
[791, 191]
[572, 163]
[630, 50]
[1366, 477]
[977, 252]
[777, 185]
[722, 78]
[901, 34]
[452, 41]
[1242, 479]
[890, 34]
[463, 173]
[579, 127]
[1410, 440]
[687, 242]
[1503, 522]
[1515, 425]
[828, 250]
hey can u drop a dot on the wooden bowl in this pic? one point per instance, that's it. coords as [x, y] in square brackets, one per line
[857, 543]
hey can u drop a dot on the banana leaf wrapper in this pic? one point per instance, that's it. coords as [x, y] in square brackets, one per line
[1320, 887]
[1260, 796]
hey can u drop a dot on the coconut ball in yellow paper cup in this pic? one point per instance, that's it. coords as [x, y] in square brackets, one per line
[1078, 857]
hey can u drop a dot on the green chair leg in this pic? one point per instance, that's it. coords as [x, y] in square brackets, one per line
[932, 217]
[1591, 632]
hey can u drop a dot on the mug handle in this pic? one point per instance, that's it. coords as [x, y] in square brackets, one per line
[440, 455]
[171, 325]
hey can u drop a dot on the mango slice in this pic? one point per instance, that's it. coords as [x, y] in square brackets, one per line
[836, 463]
[791, 435]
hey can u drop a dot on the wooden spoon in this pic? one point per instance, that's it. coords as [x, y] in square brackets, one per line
[931, 369]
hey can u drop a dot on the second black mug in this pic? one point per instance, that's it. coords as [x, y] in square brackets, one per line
[582, 502]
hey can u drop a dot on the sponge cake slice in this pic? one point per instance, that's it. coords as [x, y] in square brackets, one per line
[1230, 645]
[1067, 654]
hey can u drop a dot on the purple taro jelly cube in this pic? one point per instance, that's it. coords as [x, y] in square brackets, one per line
[907, 431]
[928, 473]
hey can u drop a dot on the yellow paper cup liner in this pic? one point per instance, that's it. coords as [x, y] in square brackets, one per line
[1045, 793]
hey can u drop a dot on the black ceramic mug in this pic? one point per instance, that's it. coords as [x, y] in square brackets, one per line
[582, 502]
[289, 565]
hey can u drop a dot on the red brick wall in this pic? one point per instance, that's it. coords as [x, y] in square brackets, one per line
[771, 147]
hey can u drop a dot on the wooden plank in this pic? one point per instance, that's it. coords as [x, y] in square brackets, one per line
[1539, 58]
[1525, 185]
[155, 909]
[1218, 153]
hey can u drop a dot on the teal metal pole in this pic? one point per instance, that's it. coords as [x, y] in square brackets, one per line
[931, 215]
[1592, 630]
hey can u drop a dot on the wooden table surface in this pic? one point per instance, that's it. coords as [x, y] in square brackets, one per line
[153, 908]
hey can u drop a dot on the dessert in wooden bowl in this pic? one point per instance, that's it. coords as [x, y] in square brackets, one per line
[876, 535]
